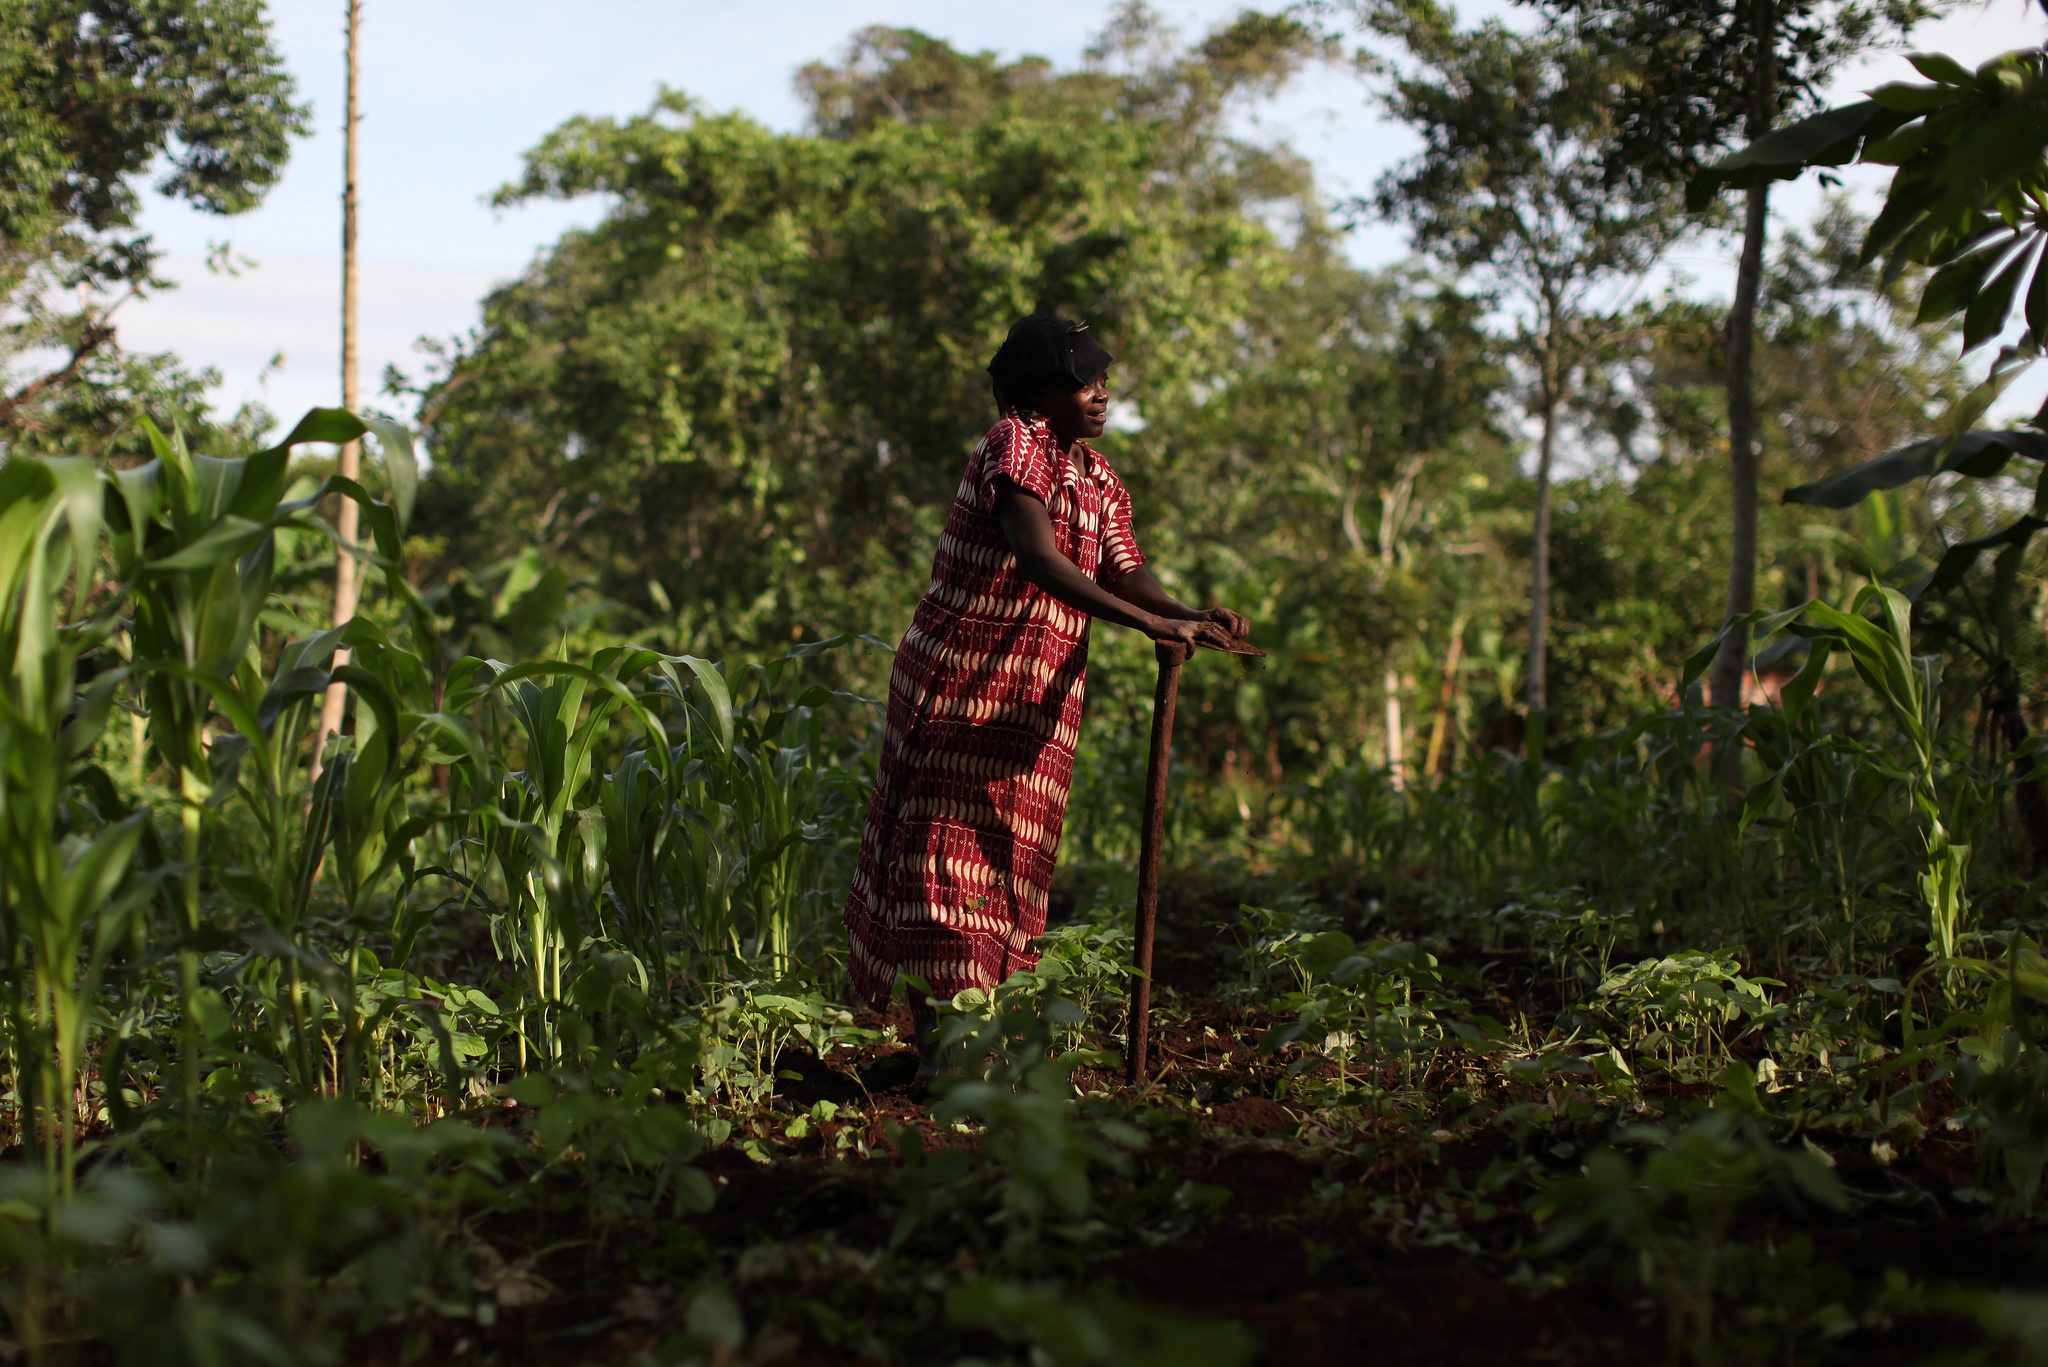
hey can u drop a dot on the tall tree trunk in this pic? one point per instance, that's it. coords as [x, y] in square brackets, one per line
[1445, 697]
[1397, 753]
[346, 570]
[1732, 660]
[2030, 785]
[1537, 692]
[1394, 502]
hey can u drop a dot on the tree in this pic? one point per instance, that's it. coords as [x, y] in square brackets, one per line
[1966, 204]
[1840, 370]
[1336, 483]
[1509, 188]
[95, 95]
[1705, 73]
[769, 354]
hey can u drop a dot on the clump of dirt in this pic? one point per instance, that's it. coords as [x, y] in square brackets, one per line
[1254, 1115]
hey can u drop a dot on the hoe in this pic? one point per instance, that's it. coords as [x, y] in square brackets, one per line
[1171, 655]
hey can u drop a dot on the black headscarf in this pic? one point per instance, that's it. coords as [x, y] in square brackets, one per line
[1044, 352]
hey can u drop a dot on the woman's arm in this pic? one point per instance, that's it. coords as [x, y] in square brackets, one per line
[1140, 587]
[1029, 532]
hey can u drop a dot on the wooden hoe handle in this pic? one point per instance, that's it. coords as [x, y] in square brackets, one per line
[1172, 655]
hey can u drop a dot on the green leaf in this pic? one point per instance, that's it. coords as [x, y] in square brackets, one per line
[224, 618]
[371, 689]
[401, 467]
[2037, 303]
[78, 489]
[582, 676]
[330, 426]
[717, 694]
[259, 484]
[1986, 316]
[1979, 454]
[230, 703]
[227, 539]
[1955, 286]
[1738, 1087]
[1829, 138]
[454, 736]
[1941, 68]
[1903, 144]
[1910, 97]
[95, 871]
[180, 491]
[1799, 691]
[140, 489]
[1957, 560]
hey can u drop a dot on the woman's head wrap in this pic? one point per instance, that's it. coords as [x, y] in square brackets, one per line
[1044, 352]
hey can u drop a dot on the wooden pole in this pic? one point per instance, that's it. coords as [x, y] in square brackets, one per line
[1447, 696]
[1172, 655]
[349, 466]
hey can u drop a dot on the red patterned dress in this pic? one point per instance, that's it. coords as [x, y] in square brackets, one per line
[984, 709]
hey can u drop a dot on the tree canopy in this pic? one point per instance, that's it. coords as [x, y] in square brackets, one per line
[99, 100]
[1510, 189]
[770, 350]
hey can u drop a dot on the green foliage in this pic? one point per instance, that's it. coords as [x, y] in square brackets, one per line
[65, 895]
[471, 1041]
[1359, 1004]
[1965, 205]
[1044, 1151]
[1693, 91]
[312, 1065]
[1668, 1201]
[1962, 200]
[96, 95]
[1684, 1005]
[230, 941]
[213, 100]
[1876, 634]
[1088, 964]
[1510, 182]
[766, 354]
[1510, 189]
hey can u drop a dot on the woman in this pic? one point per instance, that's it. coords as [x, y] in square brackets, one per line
[985, 697]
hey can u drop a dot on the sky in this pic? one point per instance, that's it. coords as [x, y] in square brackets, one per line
[454, 92]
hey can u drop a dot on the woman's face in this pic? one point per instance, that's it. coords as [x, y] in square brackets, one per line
[1081, 412]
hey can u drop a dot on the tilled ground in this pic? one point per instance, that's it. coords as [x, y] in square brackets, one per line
[1332, 1235]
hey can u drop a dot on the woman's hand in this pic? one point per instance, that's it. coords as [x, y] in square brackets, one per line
[1235, 623]
[1191, 631]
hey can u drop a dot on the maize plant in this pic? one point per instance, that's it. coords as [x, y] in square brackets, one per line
[1876, 634]
[194, 541]
[535, 830]
[67, 889]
